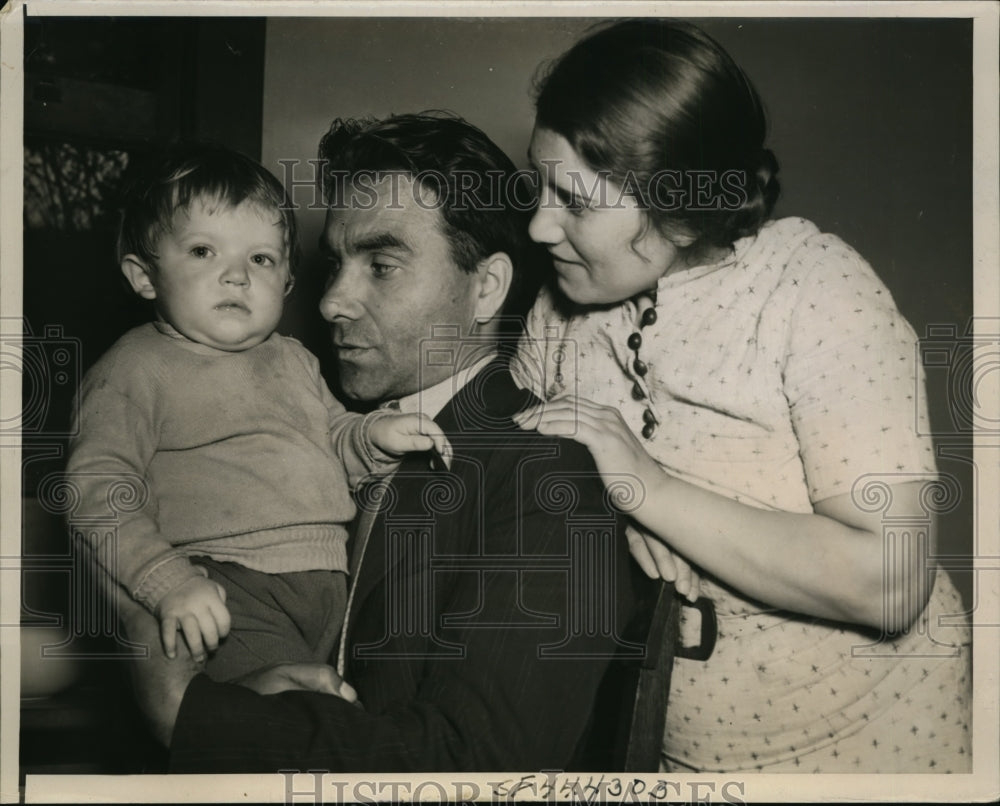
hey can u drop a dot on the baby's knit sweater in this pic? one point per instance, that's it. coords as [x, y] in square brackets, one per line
[243, 457]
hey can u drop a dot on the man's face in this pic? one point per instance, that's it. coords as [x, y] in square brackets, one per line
[392, 280]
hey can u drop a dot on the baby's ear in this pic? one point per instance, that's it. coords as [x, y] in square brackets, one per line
[138, 276]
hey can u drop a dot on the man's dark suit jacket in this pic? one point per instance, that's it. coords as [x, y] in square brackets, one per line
[488, 605]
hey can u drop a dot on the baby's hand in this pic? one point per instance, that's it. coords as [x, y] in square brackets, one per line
[196, 607]
[397, 434]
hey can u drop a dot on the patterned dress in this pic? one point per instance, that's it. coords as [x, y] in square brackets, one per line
[783, 376]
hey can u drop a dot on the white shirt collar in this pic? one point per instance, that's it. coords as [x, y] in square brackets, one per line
[431, 400]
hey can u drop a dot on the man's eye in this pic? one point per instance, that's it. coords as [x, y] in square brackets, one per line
[332, 270]
[382, 269]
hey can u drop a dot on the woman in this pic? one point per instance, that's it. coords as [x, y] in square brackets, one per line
[752, 375]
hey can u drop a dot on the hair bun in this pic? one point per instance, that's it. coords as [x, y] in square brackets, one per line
[767, 185]
[762, 191]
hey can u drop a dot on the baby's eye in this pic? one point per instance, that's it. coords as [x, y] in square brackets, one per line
[263, 260]
[200, 251]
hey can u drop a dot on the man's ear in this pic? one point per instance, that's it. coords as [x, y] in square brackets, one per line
[495, 275]
[138, 276]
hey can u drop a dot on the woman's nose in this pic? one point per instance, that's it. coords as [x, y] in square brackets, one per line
[544, 227]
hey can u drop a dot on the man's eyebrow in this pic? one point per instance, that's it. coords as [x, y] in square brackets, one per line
[380, 240]
[367, 243]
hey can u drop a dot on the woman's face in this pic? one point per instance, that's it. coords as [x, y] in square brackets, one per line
[590, 227]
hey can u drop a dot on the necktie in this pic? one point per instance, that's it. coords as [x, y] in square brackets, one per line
[371, 496]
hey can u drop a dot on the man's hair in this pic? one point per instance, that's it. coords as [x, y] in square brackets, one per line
[485, 202]
[171, 180]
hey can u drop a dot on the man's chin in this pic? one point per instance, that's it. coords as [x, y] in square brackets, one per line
[361, 384]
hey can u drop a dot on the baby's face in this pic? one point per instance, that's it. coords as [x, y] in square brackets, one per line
[222, 274]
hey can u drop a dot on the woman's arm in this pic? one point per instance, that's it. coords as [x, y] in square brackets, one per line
[832, 563]
[829, 563]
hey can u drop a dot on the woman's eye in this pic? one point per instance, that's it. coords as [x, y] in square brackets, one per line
[577, 204]
[572, 202]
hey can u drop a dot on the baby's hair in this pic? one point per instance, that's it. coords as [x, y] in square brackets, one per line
[172, 180]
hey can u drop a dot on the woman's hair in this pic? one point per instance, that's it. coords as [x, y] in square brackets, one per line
[665, 112]
[171, 180]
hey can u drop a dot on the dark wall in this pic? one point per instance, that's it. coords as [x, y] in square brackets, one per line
[101, 93]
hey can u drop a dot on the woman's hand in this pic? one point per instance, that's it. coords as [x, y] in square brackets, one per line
[615, 449]
[616, 452]
[659, 562]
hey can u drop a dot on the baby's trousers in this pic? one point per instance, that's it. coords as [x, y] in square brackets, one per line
[293, 617]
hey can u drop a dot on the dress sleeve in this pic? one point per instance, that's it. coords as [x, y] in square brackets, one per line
[115, 442]
[852, 376]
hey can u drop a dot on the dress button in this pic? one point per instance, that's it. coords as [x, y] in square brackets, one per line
[648, 317]
[640, 367]
[634, 341]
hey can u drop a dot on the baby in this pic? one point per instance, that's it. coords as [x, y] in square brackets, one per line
[247, 458]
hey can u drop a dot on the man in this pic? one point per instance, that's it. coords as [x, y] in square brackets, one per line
[489, 599]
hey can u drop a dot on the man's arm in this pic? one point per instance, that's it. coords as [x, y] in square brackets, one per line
[160, 682]
[502, 705]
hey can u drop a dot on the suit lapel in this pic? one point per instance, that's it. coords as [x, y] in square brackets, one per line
[485, 403]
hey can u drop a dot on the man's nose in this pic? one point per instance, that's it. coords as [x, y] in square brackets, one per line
[340, 300]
